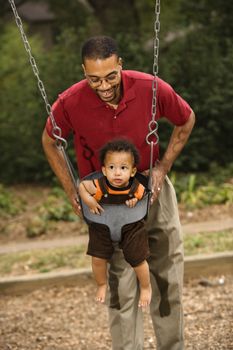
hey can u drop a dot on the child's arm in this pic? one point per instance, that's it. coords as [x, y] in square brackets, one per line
[86, 191]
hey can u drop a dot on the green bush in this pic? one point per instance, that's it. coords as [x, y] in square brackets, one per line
[57, 207]
[199, 190]
[36, 226]
[21, 112]
[9, 204]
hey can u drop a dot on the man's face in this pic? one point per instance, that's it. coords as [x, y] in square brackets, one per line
[104, 77]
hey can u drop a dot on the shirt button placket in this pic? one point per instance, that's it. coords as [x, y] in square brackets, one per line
[115, 124]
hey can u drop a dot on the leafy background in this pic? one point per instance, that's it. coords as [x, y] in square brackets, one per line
[196, 55]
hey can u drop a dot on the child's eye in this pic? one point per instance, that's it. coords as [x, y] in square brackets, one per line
[123, 167]
[111, 167]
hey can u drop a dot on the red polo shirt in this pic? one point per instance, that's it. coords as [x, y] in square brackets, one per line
[93, 122]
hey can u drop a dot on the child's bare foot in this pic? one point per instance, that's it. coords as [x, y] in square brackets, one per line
[101, 293]
[145, 297]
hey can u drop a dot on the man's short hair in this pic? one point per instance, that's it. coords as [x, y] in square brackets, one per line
[119, 145]
[99, 47]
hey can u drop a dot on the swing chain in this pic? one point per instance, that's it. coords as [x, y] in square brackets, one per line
[153, 125]
[56, 130]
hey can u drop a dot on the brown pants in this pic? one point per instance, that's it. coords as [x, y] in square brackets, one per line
[134, 242]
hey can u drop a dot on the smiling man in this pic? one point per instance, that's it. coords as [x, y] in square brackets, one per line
[112, 102]
[107, 87]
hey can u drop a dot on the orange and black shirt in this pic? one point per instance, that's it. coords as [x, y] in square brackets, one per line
[108, 194]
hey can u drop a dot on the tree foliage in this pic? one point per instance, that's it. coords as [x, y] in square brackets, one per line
[196, 56]
[199, 66]
[20, 117]
[23, 113]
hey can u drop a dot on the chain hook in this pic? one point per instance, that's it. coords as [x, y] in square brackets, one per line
[153, 125]
[60, 141]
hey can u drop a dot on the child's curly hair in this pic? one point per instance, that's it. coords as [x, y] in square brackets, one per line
[119, 145]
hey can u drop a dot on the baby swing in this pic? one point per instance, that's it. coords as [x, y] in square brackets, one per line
[115, 216]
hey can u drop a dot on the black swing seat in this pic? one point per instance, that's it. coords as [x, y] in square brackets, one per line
[115, 216]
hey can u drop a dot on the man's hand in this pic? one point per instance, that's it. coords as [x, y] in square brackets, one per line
[59, 166]
[177, 141]
[76, 206]
[158, 176]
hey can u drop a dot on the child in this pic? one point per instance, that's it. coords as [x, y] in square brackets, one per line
[118, 185]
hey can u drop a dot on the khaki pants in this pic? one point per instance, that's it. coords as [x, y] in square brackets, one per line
[166, 266]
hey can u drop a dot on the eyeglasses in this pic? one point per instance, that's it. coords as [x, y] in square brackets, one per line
[97, 81]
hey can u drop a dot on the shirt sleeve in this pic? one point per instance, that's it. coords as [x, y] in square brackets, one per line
[61, 118]
[171, 105]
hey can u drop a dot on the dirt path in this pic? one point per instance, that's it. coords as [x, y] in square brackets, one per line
[64, 318]
[191, 228]
[43, 244]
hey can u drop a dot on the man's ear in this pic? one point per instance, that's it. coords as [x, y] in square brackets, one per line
[120, 62]
[84, 70]
[103, 170]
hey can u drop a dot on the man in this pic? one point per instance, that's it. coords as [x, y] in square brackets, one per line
[112, 102]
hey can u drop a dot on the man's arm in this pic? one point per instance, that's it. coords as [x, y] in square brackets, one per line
[177, 141]
[59, 166]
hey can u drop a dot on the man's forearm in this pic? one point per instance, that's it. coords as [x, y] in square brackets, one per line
[177, 142]
[59, 166]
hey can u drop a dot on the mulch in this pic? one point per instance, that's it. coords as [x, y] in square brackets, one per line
[68, 318]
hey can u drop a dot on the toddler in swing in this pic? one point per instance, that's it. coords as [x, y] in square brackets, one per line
[118, 185]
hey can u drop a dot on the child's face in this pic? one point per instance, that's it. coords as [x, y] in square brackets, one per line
[118, 168]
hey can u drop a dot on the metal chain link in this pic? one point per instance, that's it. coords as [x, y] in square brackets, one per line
[153, 125]
[56, 130]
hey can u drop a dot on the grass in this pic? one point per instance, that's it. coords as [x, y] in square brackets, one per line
[41, 261]
[208, 242]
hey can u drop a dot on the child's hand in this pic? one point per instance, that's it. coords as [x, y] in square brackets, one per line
[131, 202]
[94, 206]
[85, 193]
[97, 209]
